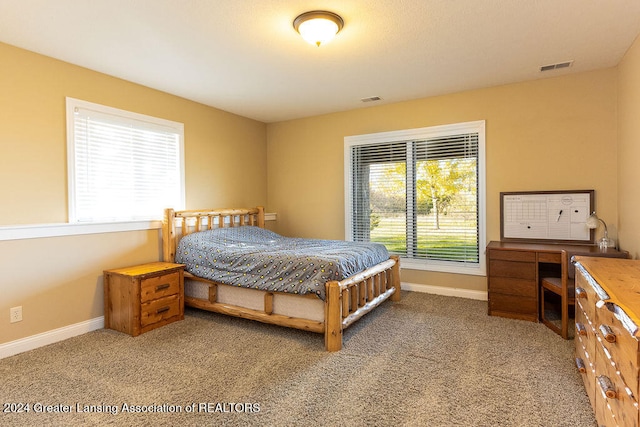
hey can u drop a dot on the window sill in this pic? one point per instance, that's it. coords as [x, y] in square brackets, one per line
[39, 231]
[443, 267]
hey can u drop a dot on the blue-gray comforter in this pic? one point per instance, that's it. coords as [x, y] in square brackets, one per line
[257, 258]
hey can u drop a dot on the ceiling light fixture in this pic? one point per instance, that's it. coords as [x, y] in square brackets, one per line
[318, 26]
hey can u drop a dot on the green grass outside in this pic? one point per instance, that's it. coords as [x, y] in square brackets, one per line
[433, 243]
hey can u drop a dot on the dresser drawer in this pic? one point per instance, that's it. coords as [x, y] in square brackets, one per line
[621, 407]
[584, 333]
[586, 296]
[160, 309]
[588, 363]
[618, 342]
[160, 286]
[513, 269]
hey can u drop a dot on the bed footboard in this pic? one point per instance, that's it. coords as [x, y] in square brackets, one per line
[350, 299]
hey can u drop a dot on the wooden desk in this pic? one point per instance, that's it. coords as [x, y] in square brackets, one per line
[514, 270]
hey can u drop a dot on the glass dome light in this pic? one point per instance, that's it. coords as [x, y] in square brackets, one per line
[318, 27]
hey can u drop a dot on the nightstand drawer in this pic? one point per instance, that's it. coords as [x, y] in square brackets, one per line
[159, 286]
[161, 309]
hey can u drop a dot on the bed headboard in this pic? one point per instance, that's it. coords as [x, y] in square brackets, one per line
[180, 223]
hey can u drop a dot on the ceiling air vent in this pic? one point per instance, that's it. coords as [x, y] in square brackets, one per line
[371, 99]
[556, 66]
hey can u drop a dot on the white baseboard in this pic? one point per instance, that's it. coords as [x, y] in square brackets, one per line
[441, 290]
[50, 337]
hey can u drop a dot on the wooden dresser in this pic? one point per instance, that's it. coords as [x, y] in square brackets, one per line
[143, 297]
[607, 347]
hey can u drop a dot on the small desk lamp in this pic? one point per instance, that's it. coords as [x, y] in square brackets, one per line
[605, 242]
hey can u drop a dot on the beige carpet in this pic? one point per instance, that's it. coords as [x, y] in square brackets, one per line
[426, 361]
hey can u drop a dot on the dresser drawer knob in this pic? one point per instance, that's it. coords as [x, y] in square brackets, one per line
[607, 387]
[162, 310]
[580, 365]
[162, 287]
[581, 293]
[580, 329]
[607, 333]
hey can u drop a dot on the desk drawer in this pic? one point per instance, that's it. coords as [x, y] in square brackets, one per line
[510, 286]
[514, 269]
[550, 257]
[513, 255]
[526, 307]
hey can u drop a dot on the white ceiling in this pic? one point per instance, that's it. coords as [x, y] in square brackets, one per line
[244, 56]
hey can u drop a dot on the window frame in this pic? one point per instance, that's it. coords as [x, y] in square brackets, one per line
[416, 134]
[71, 105]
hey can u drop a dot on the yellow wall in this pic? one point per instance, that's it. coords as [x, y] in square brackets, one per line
[33, 144]
[629, 150]
[58, 281]
[550, 134]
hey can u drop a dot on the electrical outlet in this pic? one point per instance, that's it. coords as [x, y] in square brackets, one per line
[15, 314]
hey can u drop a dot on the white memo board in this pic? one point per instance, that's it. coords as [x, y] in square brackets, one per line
[546, 216]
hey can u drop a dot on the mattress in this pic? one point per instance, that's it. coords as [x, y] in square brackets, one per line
[257, 258]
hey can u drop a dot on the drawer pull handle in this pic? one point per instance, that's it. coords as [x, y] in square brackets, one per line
[162, 287]
[607, 333]
[581, 293]
[607, 387]
[162, 310]
[580, 329]
[580, 365]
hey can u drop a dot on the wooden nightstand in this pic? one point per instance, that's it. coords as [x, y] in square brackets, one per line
[143, 297]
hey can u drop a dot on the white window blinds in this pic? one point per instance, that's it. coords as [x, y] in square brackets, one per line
[421, 197]
[122, 166]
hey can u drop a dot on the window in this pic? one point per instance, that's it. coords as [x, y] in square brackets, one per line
[122, 166]
[420, 192]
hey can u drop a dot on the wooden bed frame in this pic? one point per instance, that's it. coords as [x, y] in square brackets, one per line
[346, 300]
